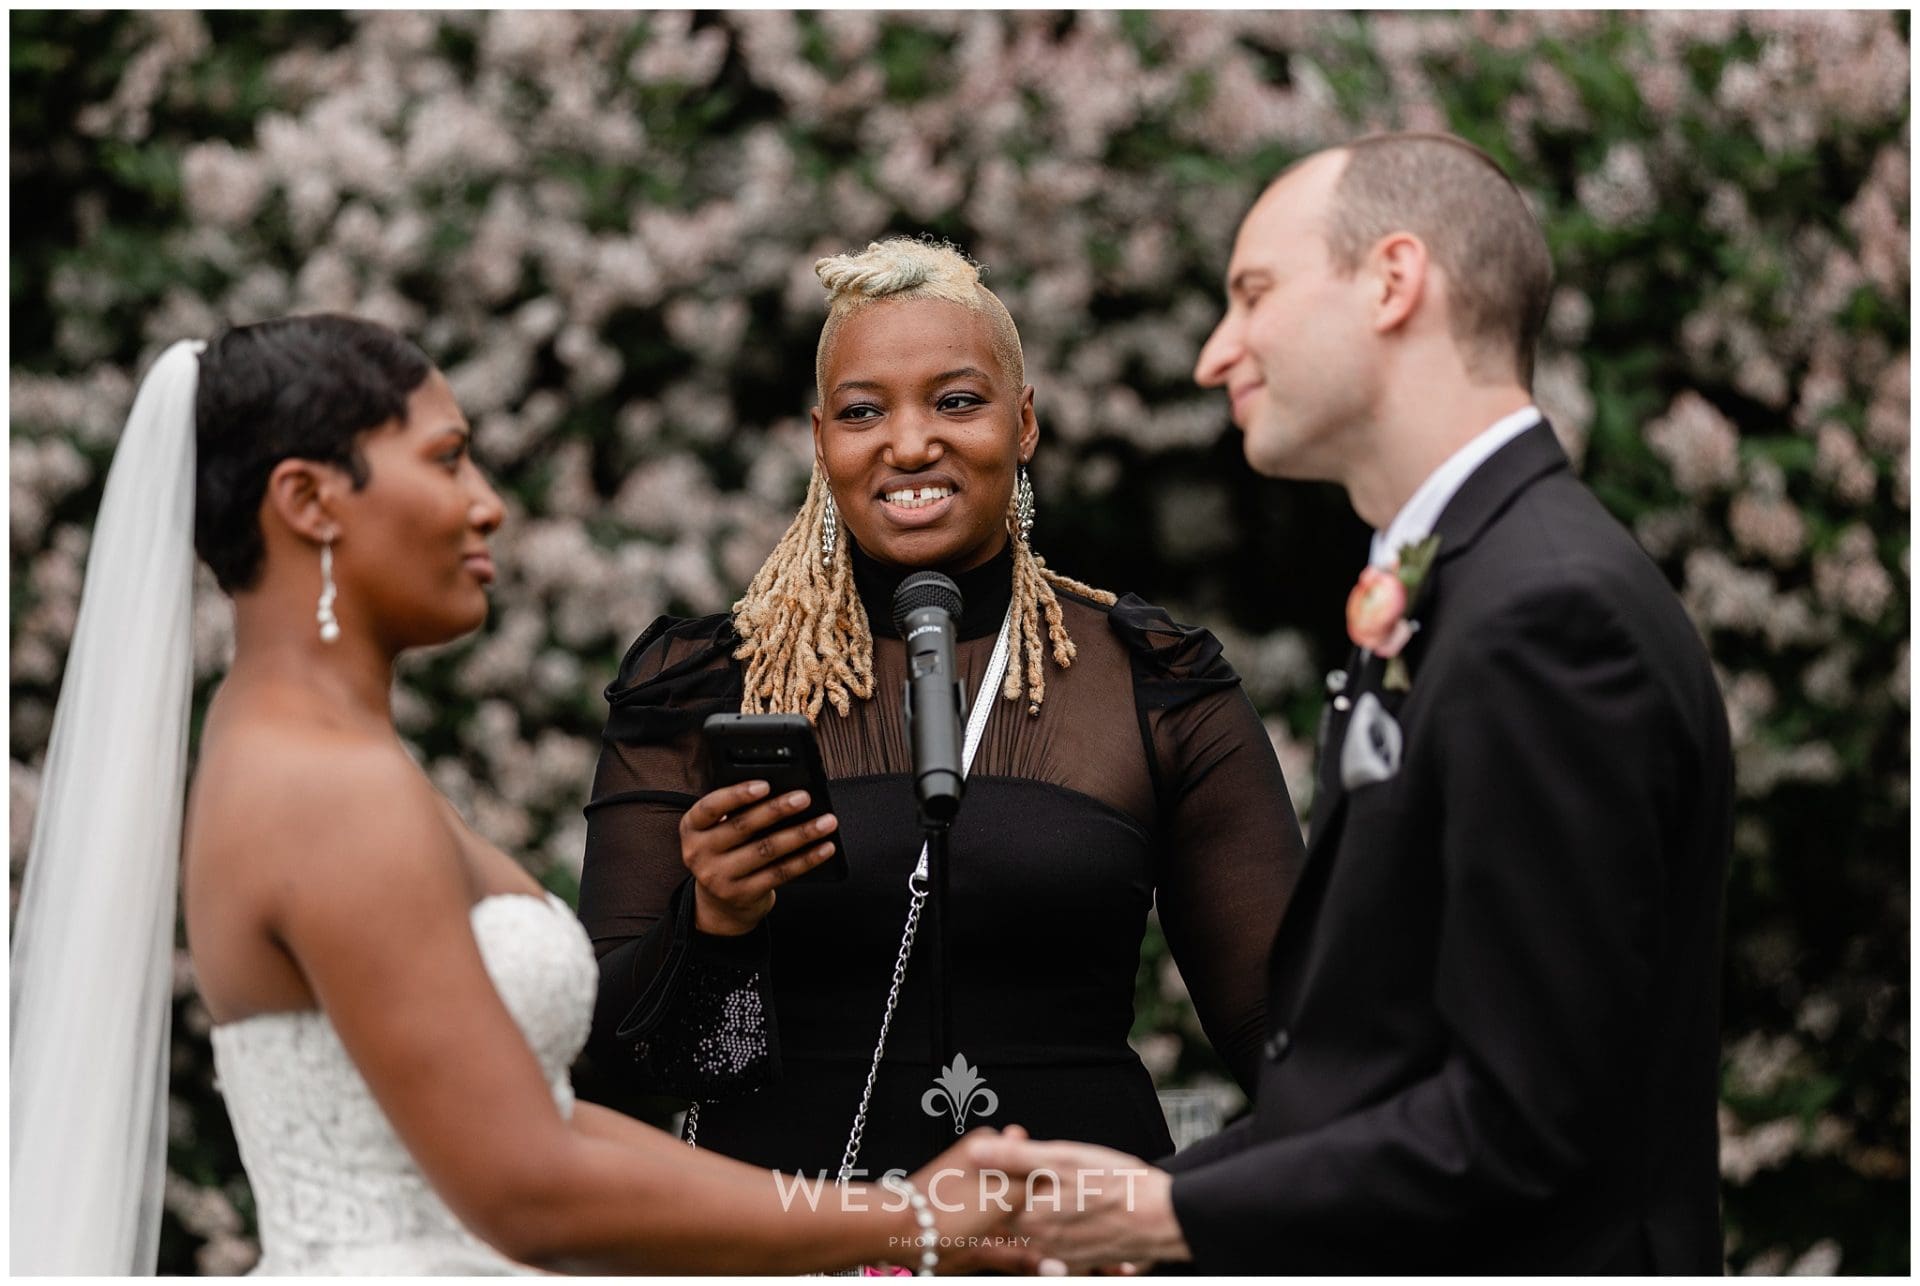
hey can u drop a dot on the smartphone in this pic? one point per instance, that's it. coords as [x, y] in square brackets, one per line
[778, 749]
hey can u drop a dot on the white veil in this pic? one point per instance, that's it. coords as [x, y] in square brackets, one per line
[92, 964]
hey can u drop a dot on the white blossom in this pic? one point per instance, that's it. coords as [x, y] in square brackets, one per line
[1699, 444]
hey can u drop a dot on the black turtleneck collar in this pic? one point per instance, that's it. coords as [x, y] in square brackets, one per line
[984, 592]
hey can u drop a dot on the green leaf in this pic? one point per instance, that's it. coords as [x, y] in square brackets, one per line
[1416, 560]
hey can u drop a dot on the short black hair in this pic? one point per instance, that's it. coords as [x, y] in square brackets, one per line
[301, 388]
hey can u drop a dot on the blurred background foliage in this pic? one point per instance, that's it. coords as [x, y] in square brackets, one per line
[602, 226]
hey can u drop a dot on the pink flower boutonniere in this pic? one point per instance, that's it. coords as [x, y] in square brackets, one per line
[1377, 608]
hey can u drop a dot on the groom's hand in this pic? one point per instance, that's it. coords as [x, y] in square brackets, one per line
[1090, 1207]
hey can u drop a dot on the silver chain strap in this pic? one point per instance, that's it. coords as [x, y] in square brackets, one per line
[859, 1131]
[917, 891]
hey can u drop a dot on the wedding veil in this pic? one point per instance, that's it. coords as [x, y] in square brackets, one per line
[92, 963]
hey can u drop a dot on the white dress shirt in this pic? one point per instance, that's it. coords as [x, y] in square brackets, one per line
[1414, 522]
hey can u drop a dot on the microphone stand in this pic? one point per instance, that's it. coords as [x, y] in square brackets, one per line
[937, 972]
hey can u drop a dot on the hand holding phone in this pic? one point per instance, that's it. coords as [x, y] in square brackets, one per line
[765, 822]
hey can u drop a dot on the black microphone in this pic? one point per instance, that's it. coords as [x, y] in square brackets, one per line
[926, 608]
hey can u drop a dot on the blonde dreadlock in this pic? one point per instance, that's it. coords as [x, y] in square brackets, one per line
[1033, 586]
[804, 633]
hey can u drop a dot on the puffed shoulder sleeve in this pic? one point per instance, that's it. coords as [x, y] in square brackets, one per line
[679, 1011]
[676, 674]
[1173, 664]
[1229, 845]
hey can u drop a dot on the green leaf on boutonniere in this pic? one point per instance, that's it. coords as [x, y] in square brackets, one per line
[1416, 561]
[1397, 679]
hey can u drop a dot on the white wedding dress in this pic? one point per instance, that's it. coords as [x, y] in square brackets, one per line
[336, 1191]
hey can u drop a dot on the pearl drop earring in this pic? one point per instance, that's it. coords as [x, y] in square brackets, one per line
[329, 623]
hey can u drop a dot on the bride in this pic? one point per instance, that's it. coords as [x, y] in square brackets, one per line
[396, 1002]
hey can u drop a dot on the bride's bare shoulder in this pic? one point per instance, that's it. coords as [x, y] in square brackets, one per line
[284, 793]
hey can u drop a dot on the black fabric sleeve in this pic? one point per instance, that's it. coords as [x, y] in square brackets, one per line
[700, 1022]
[679, 1012]
[1230, 847]
[1216, 1147]
[1553, 748]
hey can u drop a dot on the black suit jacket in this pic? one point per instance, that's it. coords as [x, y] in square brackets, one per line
[1493, 1001]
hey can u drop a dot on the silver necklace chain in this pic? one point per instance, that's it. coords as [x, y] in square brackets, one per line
[917, 890]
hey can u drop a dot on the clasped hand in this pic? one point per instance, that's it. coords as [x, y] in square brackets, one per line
[1006, 1203]
[1078, 1207]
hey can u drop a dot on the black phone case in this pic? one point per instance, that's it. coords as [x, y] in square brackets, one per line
[778, 749]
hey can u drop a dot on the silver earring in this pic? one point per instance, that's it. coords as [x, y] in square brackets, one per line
[829, 531]
[329, 624]
[1023, 506]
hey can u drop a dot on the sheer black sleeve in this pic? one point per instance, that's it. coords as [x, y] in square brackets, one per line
[679, 1011]
[1230, 847]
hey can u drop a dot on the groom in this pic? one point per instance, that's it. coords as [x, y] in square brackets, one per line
[1492, 1006]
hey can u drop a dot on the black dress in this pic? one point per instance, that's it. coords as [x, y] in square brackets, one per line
[1147, 774]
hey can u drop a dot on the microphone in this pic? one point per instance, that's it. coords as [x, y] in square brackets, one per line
[926, 608]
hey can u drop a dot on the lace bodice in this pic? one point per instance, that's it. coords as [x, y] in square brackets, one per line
[336, 1190]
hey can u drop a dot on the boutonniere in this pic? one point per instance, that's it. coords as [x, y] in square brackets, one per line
[1377, 608]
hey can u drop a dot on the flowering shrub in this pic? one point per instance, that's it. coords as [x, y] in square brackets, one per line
[602, 226]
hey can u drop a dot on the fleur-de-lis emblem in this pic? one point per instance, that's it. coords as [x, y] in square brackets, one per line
[964, 1090]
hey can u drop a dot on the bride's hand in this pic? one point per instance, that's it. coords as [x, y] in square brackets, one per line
[973, 1208]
